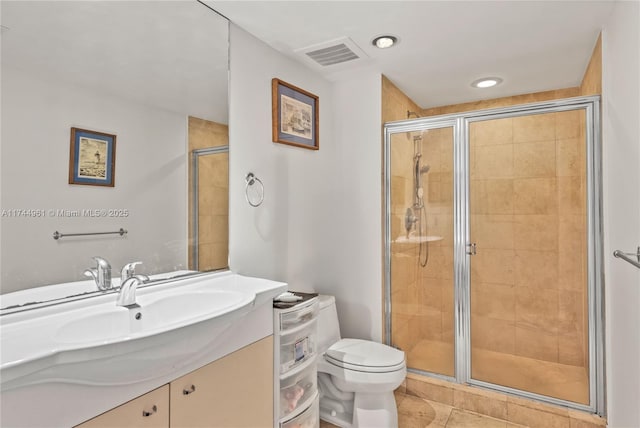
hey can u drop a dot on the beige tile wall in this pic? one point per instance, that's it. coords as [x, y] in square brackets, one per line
[503, 102]
[422, 297]
[213, 197]
[528, 218]
[395, 103]
[592, 80]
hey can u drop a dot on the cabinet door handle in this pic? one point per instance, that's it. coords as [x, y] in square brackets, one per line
[189, 390]
[146, 414]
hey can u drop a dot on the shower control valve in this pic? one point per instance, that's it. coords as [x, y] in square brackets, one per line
[409, 219]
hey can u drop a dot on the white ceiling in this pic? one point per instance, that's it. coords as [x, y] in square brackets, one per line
[173, 54]
[167, 54]
[444, 45]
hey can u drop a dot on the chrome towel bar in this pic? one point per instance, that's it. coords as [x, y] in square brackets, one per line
[626, 258]
[58, 235]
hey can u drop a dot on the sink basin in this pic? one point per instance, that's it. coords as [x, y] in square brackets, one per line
[94, 341]
[76, 358]
[156, 314]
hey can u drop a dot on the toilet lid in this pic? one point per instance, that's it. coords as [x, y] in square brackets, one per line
[365, 355]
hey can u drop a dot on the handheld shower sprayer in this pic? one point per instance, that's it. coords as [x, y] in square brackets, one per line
[418, 172]
[416, 216]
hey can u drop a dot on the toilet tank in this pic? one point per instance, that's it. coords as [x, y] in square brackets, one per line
[328, 327]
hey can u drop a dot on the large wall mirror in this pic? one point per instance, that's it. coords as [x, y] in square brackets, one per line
[153, 74]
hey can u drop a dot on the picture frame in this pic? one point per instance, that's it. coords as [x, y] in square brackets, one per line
[92, 158]
[295, 114]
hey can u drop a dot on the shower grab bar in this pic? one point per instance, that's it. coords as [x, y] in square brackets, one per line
[624, 256]
[57, 235]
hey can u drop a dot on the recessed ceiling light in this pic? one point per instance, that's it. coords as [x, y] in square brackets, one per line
[486, 82]
[384, 42]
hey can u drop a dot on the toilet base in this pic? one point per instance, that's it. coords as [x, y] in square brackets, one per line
[365, 411]
[375, 410]
[339, 420]
[336, 406]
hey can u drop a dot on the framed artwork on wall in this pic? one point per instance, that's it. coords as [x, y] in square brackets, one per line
[92, 158]
[294, 113]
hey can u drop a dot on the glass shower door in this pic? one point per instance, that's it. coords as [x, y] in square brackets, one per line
[421, 248]
[528, 280]
[209, 217]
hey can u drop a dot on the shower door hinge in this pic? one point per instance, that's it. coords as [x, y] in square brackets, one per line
[471, 249]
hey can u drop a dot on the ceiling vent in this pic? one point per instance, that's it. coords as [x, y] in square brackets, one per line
[332, 53]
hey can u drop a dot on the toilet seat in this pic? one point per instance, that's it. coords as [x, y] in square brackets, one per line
[365, 356]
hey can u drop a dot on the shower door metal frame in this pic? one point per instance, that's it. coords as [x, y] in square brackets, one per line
[595, 279]
[195, 206]
[437, 122]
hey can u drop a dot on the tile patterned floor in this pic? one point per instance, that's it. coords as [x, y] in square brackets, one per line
[507, 412]
[415, 412]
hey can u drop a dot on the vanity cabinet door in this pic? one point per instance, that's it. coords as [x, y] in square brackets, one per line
[233, 392]
[147, 411]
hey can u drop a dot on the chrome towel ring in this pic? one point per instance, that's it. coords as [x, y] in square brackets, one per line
[254, 193]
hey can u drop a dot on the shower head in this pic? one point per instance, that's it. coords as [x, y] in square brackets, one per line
[425, 169]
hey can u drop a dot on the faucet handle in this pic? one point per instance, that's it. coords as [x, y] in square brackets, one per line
[91, 273]
[101, 273]
[127, 293]
[129, 270]
[102, 263]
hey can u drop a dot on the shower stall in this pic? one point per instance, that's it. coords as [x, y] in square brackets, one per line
[493, 249]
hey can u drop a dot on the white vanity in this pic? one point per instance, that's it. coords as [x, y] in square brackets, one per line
[195, 349]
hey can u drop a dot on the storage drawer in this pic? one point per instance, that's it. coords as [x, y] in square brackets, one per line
[297, 390]
[297, 346]
[293, 319]
[310, 418]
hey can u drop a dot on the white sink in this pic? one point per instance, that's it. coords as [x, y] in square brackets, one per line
[156, 314]
[77, 359]
[95, 342]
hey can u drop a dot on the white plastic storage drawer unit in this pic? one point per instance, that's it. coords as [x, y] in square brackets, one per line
[310, 418]
[298, 389]
[297, 345]
[295, 366]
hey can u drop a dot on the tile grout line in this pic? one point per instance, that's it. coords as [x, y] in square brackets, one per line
[449, 416]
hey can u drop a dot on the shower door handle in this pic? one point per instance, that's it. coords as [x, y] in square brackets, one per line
[471, 249]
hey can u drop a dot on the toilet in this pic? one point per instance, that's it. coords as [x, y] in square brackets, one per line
[356, 378]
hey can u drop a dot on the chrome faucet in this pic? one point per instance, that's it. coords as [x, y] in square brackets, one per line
[129, 270]
[101, 274]
[127, 294]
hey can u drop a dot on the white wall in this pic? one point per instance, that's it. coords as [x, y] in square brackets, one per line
[319, 227]
[355, 273]
[150, 182]
[262, 240]
[621, 167]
